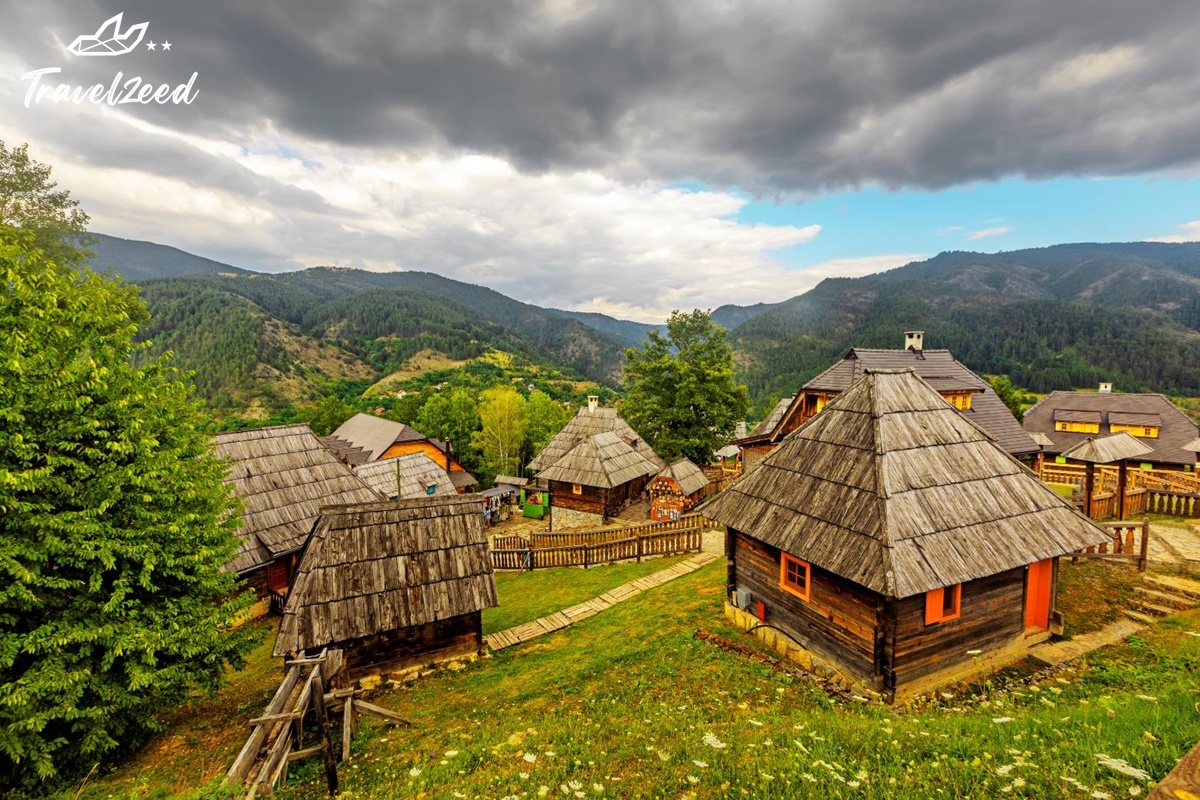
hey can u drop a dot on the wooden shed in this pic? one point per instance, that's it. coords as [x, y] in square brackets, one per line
[394, 585]
[676, 490]
[406, 477]
[594, 481]
[283, 474]
[891, 542]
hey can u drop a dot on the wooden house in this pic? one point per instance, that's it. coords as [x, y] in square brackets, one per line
[394, 585]
[1069, 419]
[406, 477]
[676, 490]
[594, 481]
[590, 420]
[283, 475]
[892, 544]
[365, 438]
[959, 386]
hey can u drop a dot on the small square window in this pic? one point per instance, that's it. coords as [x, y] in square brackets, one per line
[795, 576]
[943, 605]
[576, 488]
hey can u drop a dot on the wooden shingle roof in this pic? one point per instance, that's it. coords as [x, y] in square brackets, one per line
[406, 477]
[1107, 449]
[283, 475]
[602, 460]
[686, 475]
[892, 488]
[1175, 429]
[589, 422]
[374, 434]
[369, 569]
[773, 418]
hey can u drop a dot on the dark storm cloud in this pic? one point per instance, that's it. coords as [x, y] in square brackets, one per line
[772, 97]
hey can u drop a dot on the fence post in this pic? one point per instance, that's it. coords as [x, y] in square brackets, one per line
[586, 550]
[318, 697]
[639, 549]
[1142, 558]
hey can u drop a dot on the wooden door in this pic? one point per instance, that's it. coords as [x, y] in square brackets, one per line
[1038, 586]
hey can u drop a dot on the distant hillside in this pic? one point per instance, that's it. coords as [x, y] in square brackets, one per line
[1051, 318]
[632, 334]
[138, 261]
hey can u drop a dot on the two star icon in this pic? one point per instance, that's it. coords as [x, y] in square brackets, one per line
[165, 46]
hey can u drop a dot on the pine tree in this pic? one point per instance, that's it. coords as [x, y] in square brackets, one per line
[114, 525]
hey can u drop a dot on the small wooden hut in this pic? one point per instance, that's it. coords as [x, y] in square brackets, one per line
[394, 585]
[283, 475]
[1118, 448]
[676, 490]
[890, 542]
[594, 481]
[593, 419]
[406, 477]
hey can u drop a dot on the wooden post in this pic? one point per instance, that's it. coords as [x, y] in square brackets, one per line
[1122, 480]
[1089, 488]
[318, 698]
[347, 726]
[639, 549]
[1143, 555]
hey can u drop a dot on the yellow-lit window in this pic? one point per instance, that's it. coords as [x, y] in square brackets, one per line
[960, 400]
[795, 576]
[1077, 427]
[943, 605]
[822, 399]
[576, 488]
[1142, 431]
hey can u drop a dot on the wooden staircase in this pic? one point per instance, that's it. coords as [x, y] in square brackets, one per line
[1162, 596]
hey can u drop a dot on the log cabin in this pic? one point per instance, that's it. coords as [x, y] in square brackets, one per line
[891, 544]
[676, 490]
[1069, 419]
[959, 386]
[590, 420]
[283, 475]
[406, 477]
[395, 585]
[365, 438]
[595, 480]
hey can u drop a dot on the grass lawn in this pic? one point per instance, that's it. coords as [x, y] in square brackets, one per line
[525, 596]
[1092, 593]
[628, 703]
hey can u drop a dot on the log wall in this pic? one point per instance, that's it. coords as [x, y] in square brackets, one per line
[839, 622]
[455, 637]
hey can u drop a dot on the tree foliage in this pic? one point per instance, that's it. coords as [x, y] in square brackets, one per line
[114, 524]
[451, 415]
[31, 201]
[681, 393]
[327, 414]
[545, 417]
[503, 421]
[1010, 395]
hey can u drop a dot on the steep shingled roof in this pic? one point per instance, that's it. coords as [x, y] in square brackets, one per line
[602, 460]
[283, 474]
[892, 488]
[374, 434]
[772, 419]
[588, 423]
[416, 471]
[369, 569]
[687, 476]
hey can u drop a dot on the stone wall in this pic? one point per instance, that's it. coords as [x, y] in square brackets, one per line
[563, 519]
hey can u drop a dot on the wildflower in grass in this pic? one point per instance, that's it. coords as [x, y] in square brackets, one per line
[1018, 783]
[712, 741]
[756, 723]
[1148, 698]
[1149, 737]
[414, 772]
[853, 784]
[598, 788]
[1122, 766]
[700, 764]
[524, 775]
[1047, 702]
[1004, 770]
[1135, 791]
[450, 753]
[1099, 795]
[692, 779]
[530, 757]
[663, 756]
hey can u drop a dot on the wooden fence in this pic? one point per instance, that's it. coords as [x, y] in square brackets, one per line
[688, 540]
[1130, 542]
[1166, 480]
[1176, 504]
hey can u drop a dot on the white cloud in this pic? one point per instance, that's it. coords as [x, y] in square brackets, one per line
[987, 233]
[1191, 233]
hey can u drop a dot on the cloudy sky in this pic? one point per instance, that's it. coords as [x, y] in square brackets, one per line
[623, 157]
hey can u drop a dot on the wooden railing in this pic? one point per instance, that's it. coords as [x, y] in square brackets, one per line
[1166, 480]
[628, 548]
[1130, 542]
[1175, 504]
[605, 535]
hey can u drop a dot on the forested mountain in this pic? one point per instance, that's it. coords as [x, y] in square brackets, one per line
[1050, 318]
[138, 261]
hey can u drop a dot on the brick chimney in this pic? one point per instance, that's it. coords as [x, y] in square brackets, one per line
[1106, 388]
[593, 402]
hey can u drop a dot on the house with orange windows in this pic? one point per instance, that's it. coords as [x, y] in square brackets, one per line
[365, 438]
[891, 544]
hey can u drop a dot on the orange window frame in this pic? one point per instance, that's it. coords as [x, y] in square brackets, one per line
[935, 604]
[576, 488]
[788, 585]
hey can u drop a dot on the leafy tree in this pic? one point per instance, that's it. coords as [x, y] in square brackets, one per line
[114, 525]
[452, 415]
[544, 418]
[681, 391]
[502, 414]
[30, 200]
[1010, 395]
[327, 414]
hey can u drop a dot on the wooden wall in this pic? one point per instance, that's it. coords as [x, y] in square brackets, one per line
[421, 446]
[404, 647]
[592, 499]
[992, 615]
[839, 622]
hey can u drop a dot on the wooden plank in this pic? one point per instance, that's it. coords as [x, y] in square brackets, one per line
[318, 696]
[290, 715]
[372, 710]
[245, 759]
[307, 752]
[1183, 782]
[347, 727]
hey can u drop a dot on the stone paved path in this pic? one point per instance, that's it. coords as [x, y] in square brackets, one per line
[1054, 653]
[561, 619]
[1175, 545]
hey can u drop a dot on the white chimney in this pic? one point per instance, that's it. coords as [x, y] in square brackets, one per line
[593, 401]
[914, 340]
[1106, 388]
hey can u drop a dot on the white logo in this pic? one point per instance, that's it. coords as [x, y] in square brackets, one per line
[109, 40]
[106, 42]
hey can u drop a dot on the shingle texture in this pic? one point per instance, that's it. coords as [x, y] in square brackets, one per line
[1175, 429]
